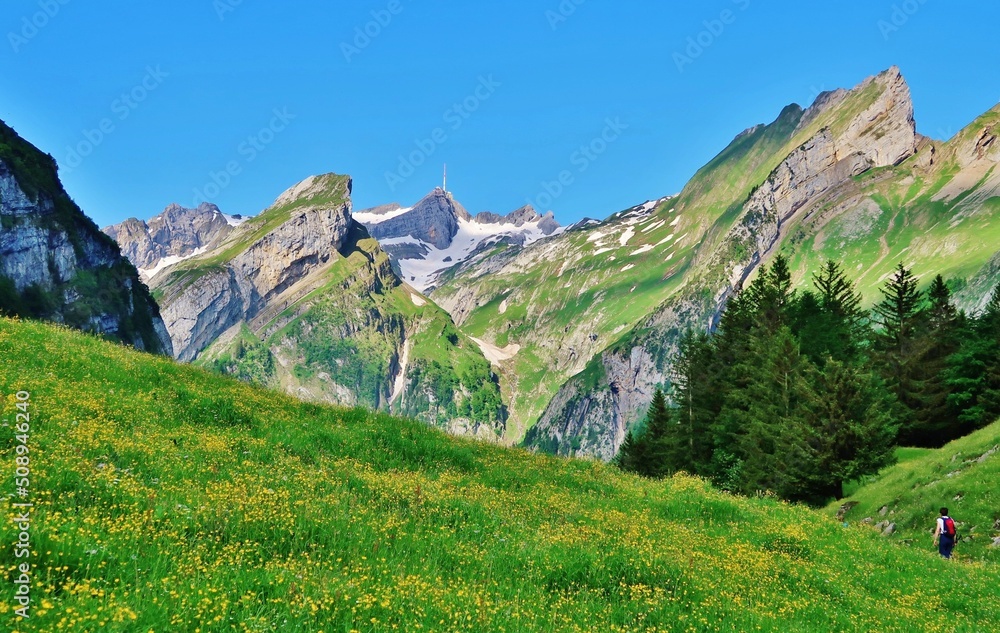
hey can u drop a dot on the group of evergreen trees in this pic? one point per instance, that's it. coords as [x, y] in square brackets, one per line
[799, 392]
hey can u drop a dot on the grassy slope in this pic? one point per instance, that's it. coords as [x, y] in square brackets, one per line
[170, 499]
[951, 476]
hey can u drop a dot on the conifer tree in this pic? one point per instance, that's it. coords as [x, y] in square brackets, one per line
[852, 433]
[631, 454]
[696, 392]
[831, 322]
[766, 418]
[897, 346]
[657, 437]
[934, 422]
[646, 452]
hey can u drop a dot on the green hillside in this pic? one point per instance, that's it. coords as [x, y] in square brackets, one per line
[961, 476]
[171, 499]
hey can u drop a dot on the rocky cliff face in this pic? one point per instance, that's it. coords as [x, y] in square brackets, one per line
[175, 233]
[204, 296]
[848, 133]
[54, 262]
[433, 220]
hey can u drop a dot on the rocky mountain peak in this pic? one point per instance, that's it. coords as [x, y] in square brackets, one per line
[174, 234]
[434, 220]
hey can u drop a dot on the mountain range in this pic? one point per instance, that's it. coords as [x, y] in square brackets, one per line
[518, 330]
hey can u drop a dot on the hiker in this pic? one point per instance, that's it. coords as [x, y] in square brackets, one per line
[944, 534]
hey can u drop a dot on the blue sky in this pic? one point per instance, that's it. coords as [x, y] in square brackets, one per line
[146, 103]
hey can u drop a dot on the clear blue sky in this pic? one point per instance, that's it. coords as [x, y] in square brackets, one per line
[219, 73]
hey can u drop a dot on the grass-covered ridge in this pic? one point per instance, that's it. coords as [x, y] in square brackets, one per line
[961, 476]
[170, 499]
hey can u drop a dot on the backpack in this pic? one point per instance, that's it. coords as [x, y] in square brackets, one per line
[949, 528]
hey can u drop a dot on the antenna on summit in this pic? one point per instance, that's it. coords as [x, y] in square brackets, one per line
[444, 186]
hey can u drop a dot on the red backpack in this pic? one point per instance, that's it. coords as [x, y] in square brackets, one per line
[949, 527]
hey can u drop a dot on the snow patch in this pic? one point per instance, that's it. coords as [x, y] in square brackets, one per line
[603, 250]
[596, 236]
[378, 218]
[626, 236]
[166, 262]
[496, 354]
[418, 300]
[676, 220]
[665, 240]
[231, 221]
[653, 226]
[628, 267]
[643, 249]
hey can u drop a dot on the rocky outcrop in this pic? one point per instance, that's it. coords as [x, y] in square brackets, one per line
[433, 220]
[525, 215]
[208, 294]
[870, 126]
[54, 262]
[177, 232]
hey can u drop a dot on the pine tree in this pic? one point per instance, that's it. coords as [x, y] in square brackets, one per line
[935, 421]
[852, 432]
[831, 322]
[657, 438]
[987, 331]
[646, 452]
[766, 420]
[898, 354]
[631, 454]
[696, 392]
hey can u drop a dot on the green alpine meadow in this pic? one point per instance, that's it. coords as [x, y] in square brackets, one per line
[544, 316]
[167, 498]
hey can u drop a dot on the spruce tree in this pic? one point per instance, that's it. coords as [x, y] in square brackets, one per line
[935, 421]
[657, 438]
[766, 418]
[696, 392]
[838, 327]
[645, 452]
[631, 454]
[897, 347]
[852, 432]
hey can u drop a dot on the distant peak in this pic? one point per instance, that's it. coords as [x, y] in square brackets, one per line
[322, 186]
[440, 200]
